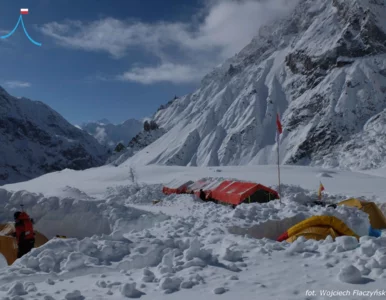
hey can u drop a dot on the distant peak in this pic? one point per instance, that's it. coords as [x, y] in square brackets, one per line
[103, 121]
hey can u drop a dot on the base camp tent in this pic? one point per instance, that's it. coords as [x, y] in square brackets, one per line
[237, 192]
[206, 184]
[8, 245]
[232, 192]
[176, 187]
[377, 218]
[317, 228]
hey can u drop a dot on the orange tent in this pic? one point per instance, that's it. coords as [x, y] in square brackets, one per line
[8, 246]
[237, 192]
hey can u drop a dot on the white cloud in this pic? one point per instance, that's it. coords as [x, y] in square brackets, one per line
[100, 134]
[166, 72]
[222, 29]
[17, 84]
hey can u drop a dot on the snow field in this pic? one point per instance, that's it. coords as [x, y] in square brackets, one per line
[178, 245]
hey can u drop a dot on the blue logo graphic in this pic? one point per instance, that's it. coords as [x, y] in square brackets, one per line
[25, 31]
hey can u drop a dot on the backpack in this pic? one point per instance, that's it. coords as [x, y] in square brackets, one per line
[26, 228]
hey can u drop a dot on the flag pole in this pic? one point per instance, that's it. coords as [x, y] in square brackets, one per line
[278, 164]
[278, 133]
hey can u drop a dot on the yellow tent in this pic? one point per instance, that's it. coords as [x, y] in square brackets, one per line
[377, 218]
[318, 228]
[8, 245]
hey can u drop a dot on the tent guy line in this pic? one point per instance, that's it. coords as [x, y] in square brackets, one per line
[23, 11]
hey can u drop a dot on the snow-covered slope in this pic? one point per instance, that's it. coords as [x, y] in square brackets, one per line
[110, 134]
[121, 246]
[34, 140]
[137, 143]
[323, 68]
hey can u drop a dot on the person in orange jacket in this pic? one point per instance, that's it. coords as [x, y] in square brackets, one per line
[24, 233]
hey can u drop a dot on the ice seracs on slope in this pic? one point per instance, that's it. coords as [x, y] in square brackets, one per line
[34, 140]
[323, 67]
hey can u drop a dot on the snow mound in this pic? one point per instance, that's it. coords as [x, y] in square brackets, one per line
[72, 218]
[129, 290]
[270, 220]
[350, 274]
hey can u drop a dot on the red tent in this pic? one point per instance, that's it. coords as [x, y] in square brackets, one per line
[237, 192]
[225, 191]
[177, 187]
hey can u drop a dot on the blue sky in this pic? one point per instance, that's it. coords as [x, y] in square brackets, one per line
[120, 59]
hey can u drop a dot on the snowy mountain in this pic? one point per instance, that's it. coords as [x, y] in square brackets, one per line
[34, 140]
[110, 134]
[137, 143]
[323, 68]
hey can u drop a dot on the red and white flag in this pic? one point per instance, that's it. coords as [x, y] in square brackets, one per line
[24, 11]
[279, 128]
[278, 124]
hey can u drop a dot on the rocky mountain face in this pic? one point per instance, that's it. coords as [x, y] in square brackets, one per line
[323, 68]
[110, 134]
[34, 140]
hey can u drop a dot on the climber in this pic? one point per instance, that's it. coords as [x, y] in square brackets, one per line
[24, 233]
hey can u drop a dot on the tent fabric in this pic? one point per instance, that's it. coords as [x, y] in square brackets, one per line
[314, 233]
[235, 192]
[8, 245]
[377, 218]
[176, 187]
[206, 184]
[8, 248]
[318, 228]
[227, 191]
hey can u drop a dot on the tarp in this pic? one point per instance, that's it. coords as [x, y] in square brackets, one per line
[8, 245]
[176, 186]
[317, 228]
[377, 218]
[235, 192]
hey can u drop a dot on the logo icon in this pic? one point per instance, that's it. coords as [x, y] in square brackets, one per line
[23, 11]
